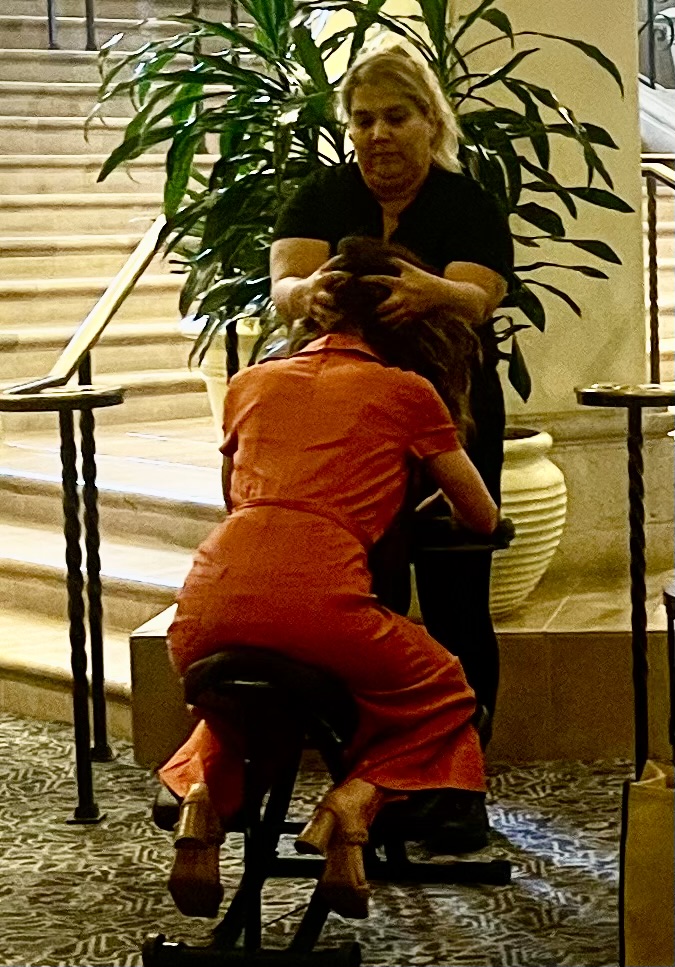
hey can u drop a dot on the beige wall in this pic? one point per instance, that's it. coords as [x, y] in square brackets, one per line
[608, 343]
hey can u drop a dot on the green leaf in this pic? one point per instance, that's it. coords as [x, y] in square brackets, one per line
[469, 19]
[602, 198]
[548, 187]
[235, 37]
[557, 292]
[309, 56]
[178, 166]
[519, 376]
[135, 147]
[499, 20]
[588, 270]
[371, 9]
[436, 16]
[501, 72]
[530, 305]
[590, 50]
[539, 136]
[600, 249]
[549, 221]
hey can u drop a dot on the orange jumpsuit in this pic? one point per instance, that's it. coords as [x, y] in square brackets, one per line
[321, 445]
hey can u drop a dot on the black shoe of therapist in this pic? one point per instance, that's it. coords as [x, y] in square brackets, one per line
[460, 824]
[446, 821]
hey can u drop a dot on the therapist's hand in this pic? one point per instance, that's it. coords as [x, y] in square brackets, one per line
[313, 295]
[415, 294]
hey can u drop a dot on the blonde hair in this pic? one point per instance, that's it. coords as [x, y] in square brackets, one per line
[395, 67]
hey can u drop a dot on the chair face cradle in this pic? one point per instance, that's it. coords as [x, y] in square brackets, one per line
[260, 690]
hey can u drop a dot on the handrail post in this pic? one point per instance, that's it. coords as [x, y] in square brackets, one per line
[51, 25]
[101, 751]
[90, 15]
[651, 44]
[654, 347]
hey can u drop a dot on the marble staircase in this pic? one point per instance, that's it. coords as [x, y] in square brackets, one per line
[63, 237]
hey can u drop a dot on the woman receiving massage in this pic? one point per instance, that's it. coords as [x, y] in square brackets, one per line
[317, 455]
[405, 187]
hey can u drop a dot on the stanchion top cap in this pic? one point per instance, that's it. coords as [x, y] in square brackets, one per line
[614, 394]
[58, 398]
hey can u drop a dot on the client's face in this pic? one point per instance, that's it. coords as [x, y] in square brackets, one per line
[392, 140]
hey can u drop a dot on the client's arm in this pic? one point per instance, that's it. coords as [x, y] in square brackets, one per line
[463, 485]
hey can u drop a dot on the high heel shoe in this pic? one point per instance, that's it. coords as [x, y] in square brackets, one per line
[194, 882]
[338, 830]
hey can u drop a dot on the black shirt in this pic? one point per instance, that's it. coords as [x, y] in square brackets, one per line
[451, 219]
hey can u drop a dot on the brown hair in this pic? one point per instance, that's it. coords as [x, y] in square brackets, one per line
[440, 348]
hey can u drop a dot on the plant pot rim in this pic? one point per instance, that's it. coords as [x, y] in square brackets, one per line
[522, 441]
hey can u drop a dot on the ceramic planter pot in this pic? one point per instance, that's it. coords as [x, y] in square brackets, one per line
[534, 496]
[213, 369]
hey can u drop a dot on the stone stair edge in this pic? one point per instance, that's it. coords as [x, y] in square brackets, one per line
[82, 199]
[55, 676]
[89, 160]
[61, 244]
[131, 585]
[35, 288]
[30, 484]
[124, 333]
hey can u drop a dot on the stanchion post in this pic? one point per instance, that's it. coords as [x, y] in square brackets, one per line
[86, 810]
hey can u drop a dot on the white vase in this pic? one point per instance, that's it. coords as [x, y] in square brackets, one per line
[534, 496]
[213, 367]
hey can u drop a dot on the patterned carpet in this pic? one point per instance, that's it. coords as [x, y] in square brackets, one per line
[74, 895]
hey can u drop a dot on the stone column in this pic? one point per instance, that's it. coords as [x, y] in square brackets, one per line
[609, 343]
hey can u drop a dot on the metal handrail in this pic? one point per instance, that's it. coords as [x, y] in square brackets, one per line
[89, 332]
[89, 19]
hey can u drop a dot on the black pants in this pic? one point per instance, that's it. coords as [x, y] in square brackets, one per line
[453, 589]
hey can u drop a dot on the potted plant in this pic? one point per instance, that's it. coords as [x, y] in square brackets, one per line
[264, 103]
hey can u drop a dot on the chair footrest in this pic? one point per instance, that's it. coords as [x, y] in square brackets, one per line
[491, 872]
[158, 952]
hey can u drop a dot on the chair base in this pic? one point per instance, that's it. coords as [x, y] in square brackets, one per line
[255, 689]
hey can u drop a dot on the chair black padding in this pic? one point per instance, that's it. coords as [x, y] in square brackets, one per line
[263, 679]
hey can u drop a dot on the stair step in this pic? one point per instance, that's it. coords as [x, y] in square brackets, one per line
[81, 212]
[50, 301]
[137, 581]
[56, 65]
[36, 675]
[56, 99]
[38, 174]
[55, 257]
[31, 31]
[57, 135]
[128, 9]
[75, 256]
[150, 395]
[124, 347]
[133, 495]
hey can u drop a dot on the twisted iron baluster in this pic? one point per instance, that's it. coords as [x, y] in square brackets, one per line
[638, 586]
[101, 751]
[90, 15]
[51, 25]
[86, 810]
[654, 349]
[651, 43]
